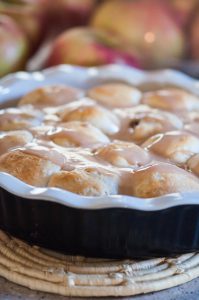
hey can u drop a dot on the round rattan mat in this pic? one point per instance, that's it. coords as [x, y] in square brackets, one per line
[41, 270]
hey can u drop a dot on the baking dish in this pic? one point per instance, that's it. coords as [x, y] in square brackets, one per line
[113, 226]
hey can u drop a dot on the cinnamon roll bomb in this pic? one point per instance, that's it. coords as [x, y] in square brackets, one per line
[123, 154]
[96, 115]
[52, 95]
[191, 121]
[193, 164]
[193, 128]
[157, 180]
[73, 134]
[116, 95]
[33, 165]
[175, 100]
[191, 117]
[53, 115]
[90, 181]
[142, 122]
[51, 120]
[16, 118]
[14, 139]
[176, 146]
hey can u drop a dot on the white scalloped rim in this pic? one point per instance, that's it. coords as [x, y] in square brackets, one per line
[16, 85]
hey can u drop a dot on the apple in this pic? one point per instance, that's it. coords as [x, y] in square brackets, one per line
[145, 25]
[183, 10]
[68, 13]
[194, 37]
[88, 47]
[79, 11]
[30, 15]
[13, 46]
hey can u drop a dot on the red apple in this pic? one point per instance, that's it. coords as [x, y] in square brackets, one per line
[146, 25]
[194, 37]
[68, 13]
[183, 10]
[88, 47]
[78, 10]
[30, 15]
[13, 46]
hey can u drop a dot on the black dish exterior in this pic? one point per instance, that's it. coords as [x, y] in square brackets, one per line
[110, 233]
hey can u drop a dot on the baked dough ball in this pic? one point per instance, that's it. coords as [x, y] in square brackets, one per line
[51, 95]
[51, 120]
[29, 168]
[175, 145]
[59, 110]
[48, 151]
[13, 139]
[89, 181]
[52, 115]
[123, 154]
[67, 158]
[77, 134]
[116, 94]
[94, 114]
[193, 164]
[192, 122]
[192, 116]
[172, 100]
[193, 128]
[15, 118]
[159, 179]
[141, 122]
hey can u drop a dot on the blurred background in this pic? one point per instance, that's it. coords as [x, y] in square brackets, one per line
[147, 34]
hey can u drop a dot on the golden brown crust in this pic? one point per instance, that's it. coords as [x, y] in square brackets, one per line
[193, 164]
[88, 182]
[51, 95]
[160, 179]
[98, 116]
[123, 154]
[13, 139]
[177, 146]
[141, 122]
[77, 134]
[172, 100]
[28, 168]
[116, 95]
[15, 118]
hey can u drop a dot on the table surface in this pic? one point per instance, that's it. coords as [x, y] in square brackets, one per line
[188, 291]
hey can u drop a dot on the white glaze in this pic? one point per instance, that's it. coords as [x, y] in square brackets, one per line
[13, 87]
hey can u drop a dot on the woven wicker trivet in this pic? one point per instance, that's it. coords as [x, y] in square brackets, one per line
[45, 271]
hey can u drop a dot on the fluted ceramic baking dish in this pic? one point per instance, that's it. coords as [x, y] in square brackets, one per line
[113, 226]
